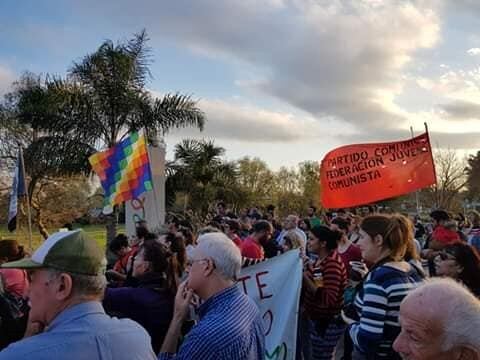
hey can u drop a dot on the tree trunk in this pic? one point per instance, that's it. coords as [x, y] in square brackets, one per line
[111, 229]
[38, 220]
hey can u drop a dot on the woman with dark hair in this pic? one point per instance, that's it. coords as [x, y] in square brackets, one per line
[384, 240]
[347, 250]
[151, 302]
[176, 244]
[188, 239]
[231, 228]
[304, 225]
[15, 281]
[462, 263]
[324, 282]
[14, 285]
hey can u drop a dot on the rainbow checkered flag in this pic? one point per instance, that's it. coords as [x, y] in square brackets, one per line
[124, 170]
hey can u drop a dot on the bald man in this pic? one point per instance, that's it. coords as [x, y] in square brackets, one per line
[440, 320]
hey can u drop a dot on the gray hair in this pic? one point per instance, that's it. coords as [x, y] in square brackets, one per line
[207, 230]
[461, 312]
[84, 285]
[224, 253]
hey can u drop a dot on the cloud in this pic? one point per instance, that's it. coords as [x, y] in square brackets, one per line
[341, 59]
[473, 51]
[455, 94]
[7, 77]
[461, 110]
[438, 139]
[230, 120]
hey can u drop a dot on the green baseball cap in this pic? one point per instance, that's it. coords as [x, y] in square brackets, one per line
[69, 251]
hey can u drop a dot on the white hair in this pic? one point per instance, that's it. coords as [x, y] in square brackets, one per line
[84, 285]
[460, 312]
[224, 253]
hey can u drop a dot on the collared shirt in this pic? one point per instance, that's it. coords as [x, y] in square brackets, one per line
[84, 332]
[230, 328]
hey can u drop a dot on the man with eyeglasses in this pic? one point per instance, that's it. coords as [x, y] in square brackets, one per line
[67, 320]
[230, 326]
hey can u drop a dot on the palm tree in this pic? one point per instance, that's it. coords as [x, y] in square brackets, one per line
[102, 100]
[199, 171]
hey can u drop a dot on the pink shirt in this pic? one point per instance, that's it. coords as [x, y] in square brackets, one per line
[15, 281]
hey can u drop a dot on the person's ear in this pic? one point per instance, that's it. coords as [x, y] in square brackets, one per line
[378, 240]
[208, 267]
[64, 287]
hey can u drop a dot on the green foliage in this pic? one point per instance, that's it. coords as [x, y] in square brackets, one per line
[201, 175]
[256, 181]
[62, 121]
[473, 177]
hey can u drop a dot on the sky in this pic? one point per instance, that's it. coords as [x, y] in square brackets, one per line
[282, 80]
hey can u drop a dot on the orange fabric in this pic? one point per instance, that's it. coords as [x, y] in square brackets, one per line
[364, 173]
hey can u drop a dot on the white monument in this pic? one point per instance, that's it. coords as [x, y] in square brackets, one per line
[150, 206]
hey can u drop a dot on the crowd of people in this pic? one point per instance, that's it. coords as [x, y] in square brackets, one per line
[374, 286]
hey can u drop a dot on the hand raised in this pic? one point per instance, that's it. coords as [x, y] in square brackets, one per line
[182, 301]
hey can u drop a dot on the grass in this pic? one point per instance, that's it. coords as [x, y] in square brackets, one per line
[96, 232]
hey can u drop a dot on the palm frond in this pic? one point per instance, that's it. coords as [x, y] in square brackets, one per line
[176, 111]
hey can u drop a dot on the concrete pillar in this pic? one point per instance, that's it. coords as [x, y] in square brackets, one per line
[150, 206]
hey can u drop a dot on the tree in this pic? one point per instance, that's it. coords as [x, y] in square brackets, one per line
[309, 182]
[256, 180]
[451, 179]
[473, 177]
[59, 201]
[102, 100]
[201, 175]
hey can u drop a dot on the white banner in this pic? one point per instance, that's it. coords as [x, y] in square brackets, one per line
[275, 287]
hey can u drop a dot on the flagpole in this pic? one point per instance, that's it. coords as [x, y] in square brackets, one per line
[29, 213]
[431, 153]
[154, 189]
[417, 201]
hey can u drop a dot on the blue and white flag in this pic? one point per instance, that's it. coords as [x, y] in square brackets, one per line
[18, 189]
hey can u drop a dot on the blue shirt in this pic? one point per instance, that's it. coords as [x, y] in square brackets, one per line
[230, 328]
[84, 332]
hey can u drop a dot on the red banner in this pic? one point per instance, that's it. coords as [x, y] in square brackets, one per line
[359, 174]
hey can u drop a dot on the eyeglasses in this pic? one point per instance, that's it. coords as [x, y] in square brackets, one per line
[191, 262]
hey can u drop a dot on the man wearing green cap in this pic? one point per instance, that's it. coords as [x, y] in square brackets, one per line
[67, 320]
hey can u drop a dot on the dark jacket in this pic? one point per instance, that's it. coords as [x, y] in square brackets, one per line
[150, 304]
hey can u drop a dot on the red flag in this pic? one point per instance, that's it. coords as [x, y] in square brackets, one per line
[364, 173]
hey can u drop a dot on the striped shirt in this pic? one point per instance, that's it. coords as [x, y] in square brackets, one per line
[327, 301]
[230, 328]
[378, 304]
